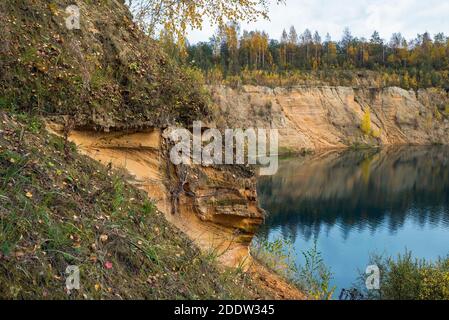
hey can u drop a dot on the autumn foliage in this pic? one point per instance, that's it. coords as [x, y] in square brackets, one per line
[411, 64]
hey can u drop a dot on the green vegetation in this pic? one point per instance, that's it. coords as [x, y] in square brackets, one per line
[177, 18]
[407, 278]
[312, 278]
[59, 208]
[106, 75]
[252, 57]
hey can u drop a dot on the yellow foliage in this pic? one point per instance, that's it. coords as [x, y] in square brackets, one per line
[438, 114]
[376, 133]
[53, 9]
[178, 16]
[413, 83]
[215, 76]
[366, 123]
[406, 81]
[434, 284]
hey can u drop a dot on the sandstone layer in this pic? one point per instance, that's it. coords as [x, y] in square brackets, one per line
[215, 206]
[311, 118]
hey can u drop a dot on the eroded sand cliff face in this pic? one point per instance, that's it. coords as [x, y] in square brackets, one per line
[215, 206]
[314, 118]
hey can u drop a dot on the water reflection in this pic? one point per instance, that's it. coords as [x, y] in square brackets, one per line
[358, 190]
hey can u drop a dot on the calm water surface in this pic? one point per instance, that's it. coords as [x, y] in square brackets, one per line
[355, 203]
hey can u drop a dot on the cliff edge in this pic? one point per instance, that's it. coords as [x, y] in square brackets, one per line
[311, 118]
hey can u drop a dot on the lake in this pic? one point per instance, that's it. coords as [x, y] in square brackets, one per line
[356, 203]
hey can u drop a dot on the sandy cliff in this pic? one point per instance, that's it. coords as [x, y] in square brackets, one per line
[330, 117]
[215, 206]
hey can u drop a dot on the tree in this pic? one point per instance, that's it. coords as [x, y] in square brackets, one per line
[317, 45]
[170, 47]
[176, 16]
[283, 49]
[306, 41]
[347, 38]
[405, 83]
[421, 62]
[377, 48]
[375, 38]
[230, 45]
[330, 50]
[292, 45]
[332, 53]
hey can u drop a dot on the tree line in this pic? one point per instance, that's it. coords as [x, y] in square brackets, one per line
[417, 63]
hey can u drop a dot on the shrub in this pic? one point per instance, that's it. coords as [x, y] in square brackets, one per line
[366, 123]
[407, 278]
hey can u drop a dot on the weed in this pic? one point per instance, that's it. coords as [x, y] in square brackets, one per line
[313, 277]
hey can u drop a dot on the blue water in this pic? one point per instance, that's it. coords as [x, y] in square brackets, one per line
[357, 203]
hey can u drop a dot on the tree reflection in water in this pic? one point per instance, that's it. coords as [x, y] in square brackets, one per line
[357, 190]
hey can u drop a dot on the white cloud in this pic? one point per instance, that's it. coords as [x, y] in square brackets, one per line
[409, 17]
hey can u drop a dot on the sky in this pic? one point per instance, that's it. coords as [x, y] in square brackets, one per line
[409, 17]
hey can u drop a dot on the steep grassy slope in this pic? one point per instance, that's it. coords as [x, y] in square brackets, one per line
[59, 208]
[105, 75]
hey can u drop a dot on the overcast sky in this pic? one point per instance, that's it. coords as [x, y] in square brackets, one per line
[409, 17]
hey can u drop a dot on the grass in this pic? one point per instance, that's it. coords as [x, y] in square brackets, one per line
[61, 209]
[49, 76]
[313, 277]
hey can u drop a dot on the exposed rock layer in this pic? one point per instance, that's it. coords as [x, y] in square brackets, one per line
[330, 117]
[215, 206]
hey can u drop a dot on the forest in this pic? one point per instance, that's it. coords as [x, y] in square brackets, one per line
[254, 57]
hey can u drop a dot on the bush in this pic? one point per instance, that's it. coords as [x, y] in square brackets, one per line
[407, 278]
[366, 123]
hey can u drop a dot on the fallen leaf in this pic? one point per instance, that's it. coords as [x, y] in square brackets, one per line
[76, 245]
